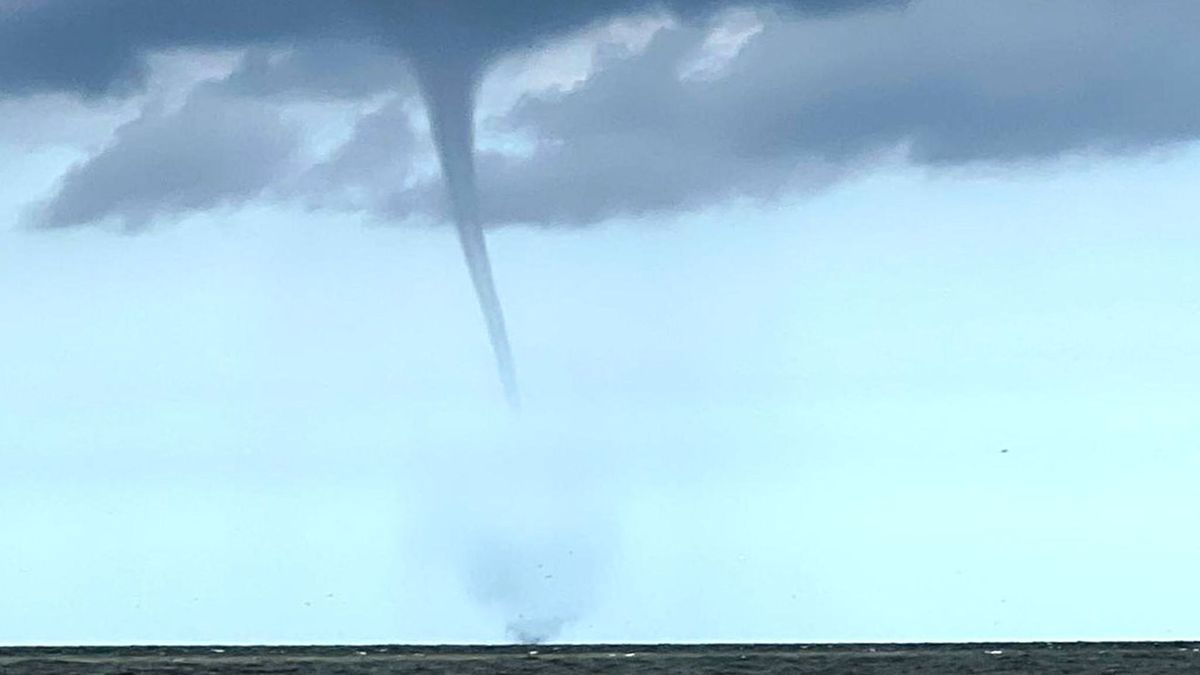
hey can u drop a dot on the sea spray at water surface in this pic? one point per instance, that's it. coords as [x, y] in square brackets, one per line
[529, 538]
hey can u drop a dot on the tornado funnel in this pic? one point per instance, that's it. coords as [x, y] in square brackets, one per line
[449, 92]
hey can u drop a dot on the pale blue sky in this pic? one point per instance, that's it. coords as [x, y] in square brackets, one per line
[761, 424]
[779, 416]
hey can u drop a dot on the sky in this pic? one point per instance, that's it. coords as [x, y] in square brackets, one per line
[832, 321]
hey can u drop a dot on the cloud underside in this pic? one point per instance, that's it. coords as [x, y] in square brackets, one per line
[798, 103]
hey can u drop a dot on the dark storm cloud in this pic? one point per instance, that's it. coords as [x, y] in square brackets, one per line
[805, 102]
[320, 69]
[945, 81]
[297, 48]
[215, 150]
[366, 168]
[97, 47]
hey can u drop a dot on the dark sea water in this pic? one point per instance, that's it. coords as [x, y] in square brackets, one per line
[1127, 657]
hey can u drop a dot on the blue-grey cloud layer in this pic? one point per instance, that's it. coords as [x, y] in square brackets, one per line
[215, 151]
[813, 96]
[946, 82]
[97, 47]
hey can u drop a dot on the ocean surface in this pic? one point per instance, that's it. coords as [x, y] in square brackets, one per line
[1055, 657]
